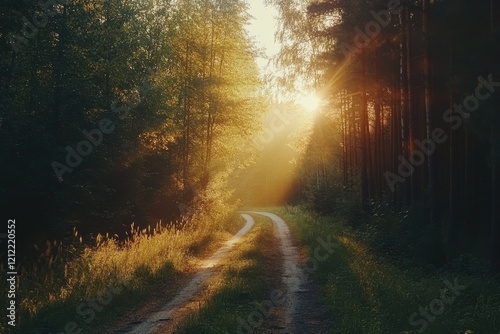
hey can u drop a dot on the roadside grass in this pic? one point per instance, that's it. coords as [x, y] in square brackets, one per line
[244, 279]
[90, 286]
[369, 293]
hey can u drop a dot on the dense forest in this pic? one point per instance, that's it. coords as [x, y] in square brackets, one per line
[413, 101]
[135, 111]
[132, 132]
[116, 112]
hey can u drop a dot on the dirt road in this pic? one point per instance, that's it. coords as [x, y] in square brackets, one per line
[301, 313]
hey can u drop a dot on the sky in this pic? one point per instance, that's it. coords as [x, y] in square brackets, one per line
[263, 28]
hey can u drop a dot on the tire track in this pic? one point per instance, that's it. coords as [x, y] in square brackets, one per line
[207, 269]
[293, 275]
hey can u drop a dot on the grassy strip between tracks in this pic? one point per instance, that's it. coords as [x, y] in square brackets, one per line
[247, 277]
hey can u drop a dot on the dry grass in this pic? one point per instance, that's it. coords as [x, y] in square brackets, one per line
[50, 289]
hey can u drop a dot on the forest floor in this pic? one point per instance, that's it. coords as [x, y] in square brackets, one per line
[292, 304]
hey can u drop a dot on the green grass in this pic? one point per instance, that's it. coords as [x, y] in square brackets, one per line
[244, 279]
[369, 293]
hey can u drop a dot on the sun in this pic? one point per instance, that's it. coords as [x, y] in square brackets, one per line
[310, 102]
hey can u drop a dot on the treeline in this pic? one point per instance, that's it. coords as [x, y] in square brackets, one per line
[414, 98]
[115, 112]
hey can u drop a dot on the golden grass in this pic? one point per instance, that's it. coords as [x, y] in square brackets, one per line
[78, 272]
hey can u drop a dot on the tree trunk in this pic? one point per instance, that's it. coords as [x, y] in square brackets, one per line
[58, 78]
[405, 99]
[434, 210]
[495, 172]
[363, 138]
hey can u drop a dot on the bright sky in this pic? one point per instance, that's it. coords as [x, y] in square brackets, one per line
[263, 28]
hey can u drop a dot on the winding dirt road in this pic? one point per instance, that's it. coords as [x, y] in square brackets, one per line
[292, 279]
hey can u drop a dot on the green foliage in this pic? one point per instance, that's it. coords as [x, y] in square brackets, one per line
[178, 81]
[176, 78]
[324, 200]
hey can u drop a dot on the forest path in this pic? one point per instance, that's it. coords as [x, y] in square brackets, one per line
[207, 269]
[301, 311]
[304, 311]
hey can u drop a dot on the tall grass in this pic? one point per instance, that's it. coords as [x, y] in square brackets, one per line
[51, 289]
